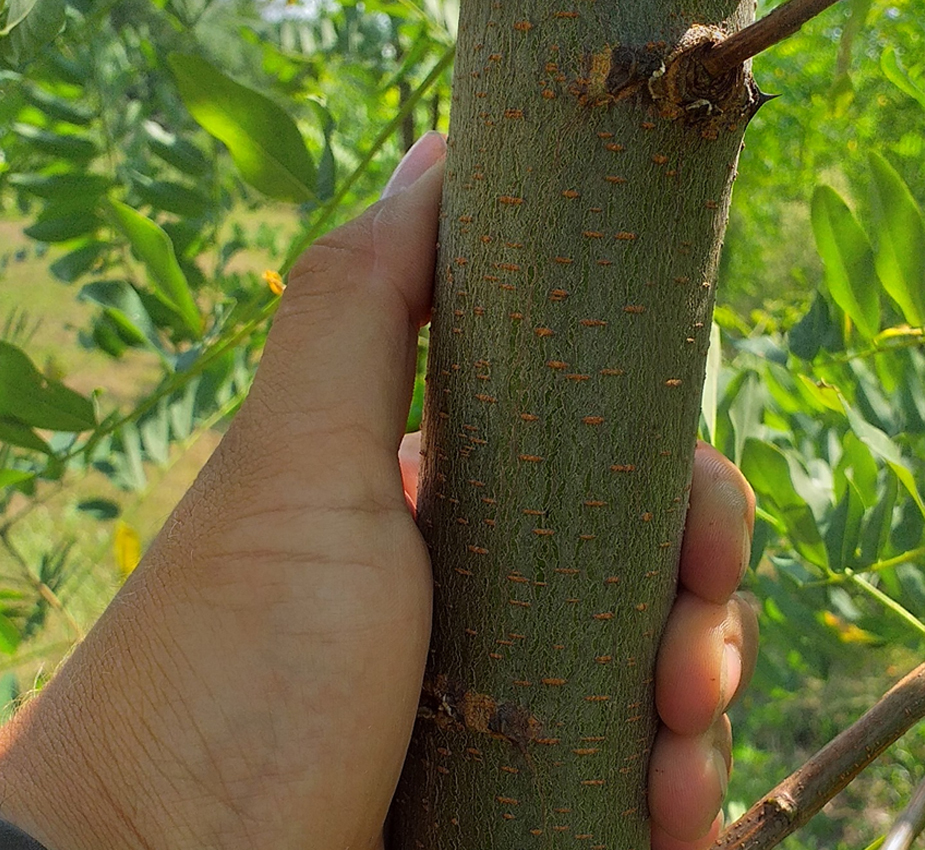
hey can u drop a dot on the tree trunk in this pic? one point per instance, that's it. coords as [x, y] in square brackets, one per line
[588, 179]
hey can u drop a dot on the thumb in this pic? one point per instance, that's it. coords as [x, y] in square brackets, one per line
[339, 361]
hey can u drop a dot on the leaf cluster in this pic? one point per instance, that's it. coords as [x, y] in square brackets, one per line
[823, 409]
[138, 141]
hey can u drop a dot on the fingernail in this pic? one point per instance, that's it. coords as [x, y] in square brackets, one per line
[722, 770]
[731, 673]
[420, 157]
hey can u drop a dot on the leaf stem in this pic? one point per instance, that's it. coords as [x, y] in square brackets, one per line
[777, 25]
[312, 233]
[876, 567]
[41, 588]
[914, 339]
[180, 379]
[888, 603]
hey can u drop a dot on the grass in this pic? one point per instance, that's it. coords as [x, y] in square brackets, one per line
[54, 324]
[55, 321]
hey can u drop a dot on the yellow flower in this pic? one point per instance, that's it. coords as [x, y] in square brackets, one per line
[847, 632]
[274, 281]
[127, 548]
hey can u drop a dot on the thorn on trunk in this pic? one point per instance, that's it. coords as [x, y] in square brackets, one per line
[758, 99]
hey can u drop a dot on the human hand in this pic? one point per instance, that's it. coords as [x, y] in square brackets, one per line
[255, 681]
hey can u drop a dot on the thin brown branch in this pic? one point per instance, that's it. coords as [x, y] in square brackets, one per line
[909, 824]
[39, 586]
[777, 25]
[801, 795]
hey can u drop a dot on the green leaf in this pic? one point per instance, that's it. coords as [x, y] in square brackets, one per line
[788, 397]
[28, 398]
[11, 477]
[124, 328]
[879, 522]
[78, 262]
[76, 70]
[62, 186]
[17, 434]
[848, 258]
[16, 13]
[896, 74]
[153, 247]
[745, 413]
[183, 409]
[180, 153]
[107, 336]
[130, 470]
[171, 197]
[58, 145]
[100, 509]
[709, 401]
[154, 429]
[912, 583]
[416, 411]
[31, 24]
[869, 396]
[65, 228]
[844, 531]
[806, 337]
[858, 465]
[216, 386]
[165, 317]
[767, 469]
[882, 446]
[900, 238]
[840, 96]
[9, 637]
[263, 140]
[125, 307]
[327, 165]
[9, 694]
[825, 397]
[909, 532]
[59, 109]
[912, 390]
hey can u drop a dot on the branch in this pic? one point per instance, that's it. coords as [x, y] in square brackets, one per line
[909, 824]
[792, 803]
[39, 586]
[777, 25]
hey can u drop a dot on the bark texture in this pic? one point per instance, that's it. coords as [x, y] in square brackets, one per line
[588, 180]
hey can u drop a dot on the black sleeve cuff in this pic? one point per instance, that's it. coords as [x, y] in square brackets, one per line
[13, 838]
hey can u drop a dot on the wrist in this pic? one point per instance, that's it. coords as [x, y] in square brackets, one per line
[54, 782]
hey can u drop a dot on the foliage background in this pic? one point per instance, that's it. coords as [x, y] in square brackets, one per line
[146, 199]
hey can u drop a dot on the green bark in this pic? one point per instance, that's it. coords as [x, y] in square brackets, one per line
[586, 196]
